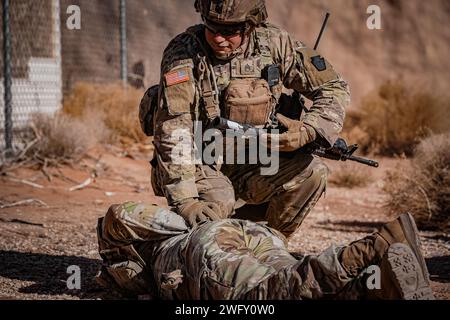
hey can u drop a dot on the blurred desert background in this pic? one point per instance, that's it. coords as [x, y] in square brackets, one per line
[412, 44]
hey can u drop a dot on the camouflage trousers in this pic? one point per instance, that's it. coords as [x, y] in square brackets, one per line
[289, 195]
[148, 250]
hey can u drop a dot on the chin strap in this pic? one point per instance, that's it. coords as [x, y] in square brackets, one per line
[242, 47]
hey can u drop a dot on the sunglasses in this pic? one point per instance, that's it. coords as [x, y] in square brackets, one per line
[225, 31]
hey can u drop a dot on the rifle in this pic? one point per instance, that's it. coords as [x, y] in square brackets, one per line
[339, 152]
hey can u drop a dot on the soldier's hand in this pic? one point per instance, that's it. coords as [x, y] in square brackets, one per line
[195, 211]
[297, 135]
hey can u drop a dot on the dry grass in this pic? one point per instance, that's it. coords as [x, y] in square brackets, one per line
[118, 108]
[423, 186]
[393, 119]
[59, 137]
[92, 114]
[349, 175]
[53, 140]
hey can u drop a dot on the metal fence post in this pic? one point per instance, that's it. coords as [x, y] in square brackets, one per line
[7, 77]
[123, 42]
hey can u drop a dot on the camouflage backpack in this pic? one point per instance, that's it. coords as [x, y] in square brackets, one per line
[147, 109]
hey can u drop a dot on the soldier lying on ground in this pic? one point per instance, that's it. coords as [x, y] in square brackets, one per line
[149, 250]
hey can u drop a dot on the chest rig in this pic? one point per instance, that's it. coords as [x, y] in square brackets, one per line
[245, 89]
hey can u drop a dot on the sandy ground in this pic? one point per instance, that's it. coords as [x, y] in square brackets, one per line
[41, 238]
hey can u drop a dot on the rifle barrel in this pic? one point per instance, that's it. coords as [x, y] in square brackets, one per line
[368, 162]
[338, 157]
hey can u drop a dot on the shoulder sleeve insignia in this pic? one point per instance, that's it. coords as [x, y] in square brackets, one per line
[319, 63]
[177, 76]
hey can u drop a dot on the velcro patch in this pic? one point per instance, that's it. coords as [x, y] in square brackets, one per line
[177, 76]
[319, 63]
[316, 68]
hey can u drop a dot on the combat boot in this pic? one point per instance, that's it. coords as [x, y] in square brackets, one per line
[403, 268]
[378, 249]
[370, 250]
[402, 276]
[404, 230]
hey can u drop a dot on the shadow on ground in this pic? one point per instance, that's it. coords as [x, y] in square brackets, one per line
[252, 212]
[351, 226]
[49, 274]
[439, 268]
[438, 237]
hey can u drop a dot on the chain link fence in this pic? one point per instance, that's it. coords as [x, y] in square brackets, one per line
[30, 65]
[93, 53]
[116, 40]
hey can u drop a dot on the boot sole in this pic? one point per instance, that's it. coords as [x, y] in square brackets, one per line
[412, 237]
[407, 275]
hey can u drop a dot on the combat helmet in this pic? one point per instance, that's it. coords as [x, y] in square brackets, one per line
[232, 11]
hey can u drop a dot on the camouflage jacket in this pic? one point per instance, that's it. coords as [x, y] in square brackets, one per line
[181, 98]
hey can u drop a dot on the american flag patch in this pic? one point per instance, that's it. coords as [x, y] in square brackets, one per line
[177, 76]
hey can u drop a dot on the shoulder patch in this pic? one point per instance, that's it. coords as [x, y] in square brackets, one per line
[179, 89]
[177, 76]
[319, 63]
[315, 68]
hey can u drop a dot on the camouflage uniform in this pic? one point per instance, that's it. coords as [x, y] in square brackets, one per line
[301, 179]
[148, 250]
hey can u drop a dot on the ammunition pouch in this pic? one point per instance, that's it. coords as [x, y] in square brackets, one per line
[248, 101]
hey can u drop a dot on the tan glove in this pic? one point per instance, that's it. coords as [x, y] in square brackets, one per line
[194, 211]
[298, 134]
